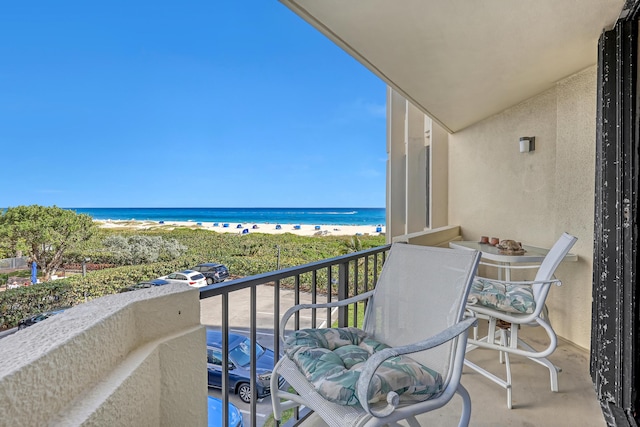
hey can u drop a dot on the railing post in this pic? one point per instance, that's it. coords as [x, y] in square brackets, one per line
[225, 360]
[343, 292]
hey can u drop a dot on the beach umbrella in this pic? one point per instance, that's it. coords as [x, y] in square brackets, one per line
[34, 273]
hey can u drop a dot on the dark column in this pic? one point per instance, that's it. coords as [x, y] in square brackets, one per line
[615, 350]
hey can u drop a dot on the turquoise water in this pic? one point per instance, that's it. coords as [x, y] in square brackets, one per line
[328, 216]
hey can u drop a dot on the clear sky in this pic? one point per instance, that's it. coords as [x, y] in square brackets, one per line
[196, 103]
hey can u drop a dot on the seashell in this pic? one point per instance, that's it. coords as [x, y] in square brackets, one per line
[509, 245]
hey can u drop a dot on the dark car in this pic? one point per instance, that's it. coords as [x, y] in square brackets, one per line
[239, 365]
[214, 272]
[214, 414]
[28, 321]
[145, 284]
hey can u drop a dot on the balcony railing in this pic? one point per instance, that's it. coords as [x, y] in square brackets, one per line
[323, 281]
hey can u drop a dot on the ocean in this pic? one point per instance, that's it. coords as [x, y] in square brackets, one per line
[328, 216]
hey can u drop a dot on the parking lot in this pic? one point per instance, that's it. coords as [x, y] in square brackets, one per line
[239, 322]
[263, 407]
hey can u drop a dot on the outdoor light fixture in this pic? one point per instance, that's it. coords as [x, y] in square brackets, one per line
[527, 143]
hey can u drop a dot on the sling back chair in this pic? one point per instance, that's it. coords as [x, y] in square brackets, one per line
[407, 358]
[508, 305]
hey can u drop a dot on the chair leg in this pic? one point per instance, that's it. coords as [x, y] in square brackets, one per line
[502, 340]
[507, 364]
[412, 421]
[503, 343]
[499, 381]
[553, 369]
[466, 406]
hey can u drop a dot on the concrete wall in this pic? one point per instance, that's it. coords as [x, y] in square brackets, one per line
[417, 191]
[495, 190]
[131, 359]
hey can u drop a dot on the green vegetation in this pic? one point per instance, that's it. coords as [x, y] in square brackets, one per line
[287, 414]
[137, 249]
[359, 314]
[43, 233]
[245, 255]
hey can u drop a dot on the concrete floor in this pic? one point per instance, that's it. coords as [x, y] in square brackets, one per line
[534, 404]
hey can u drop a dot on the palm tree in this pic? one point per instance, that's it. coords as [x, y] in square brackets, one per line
[352, 245]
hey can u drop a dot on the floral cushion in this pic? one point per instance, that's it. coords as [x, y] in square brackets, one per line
[501, 296]
[332, 359]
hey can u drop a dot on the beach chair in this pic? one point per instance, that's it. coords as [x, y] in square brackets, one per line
[317, 227]
[278, 227]
[508, 305]
[407, 359]
[296, 227]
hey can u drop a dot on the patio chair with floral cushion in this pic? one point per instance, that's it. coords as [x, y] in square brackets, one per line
[508, 305]
[407, 359]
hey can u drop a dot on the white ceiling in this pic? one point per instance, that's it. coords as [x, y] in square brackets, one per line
[461, 61]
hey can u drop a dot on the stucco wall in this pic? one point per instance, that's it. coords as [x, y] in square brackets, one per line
[132, 359]
[495, 190]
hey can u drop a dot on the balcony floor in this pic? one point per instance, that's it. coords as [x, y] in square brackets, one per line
[534, 404]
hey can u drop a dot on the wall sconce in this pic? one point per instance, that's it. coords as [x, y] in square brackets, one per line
[527, 143]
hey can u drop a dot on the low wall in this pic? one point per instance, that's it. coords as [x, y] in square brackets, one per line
[436, 237]
[131, 359]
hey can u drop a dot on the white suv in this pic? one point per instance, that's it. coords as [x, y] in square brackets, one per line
[187, 277]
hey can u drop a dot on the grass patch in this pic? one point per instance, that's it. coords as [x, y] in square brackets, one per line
[360, 315]
[286, 415]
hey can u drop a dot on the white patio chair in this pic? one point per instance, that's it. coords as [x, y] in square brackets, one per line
[416, 308]
[508, 305]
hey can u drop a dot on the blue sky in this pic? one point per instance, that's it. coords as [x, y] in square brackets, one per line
[183, 104]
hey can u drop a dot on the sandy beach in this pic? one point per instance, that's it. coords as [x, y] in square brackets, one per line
[298, 229]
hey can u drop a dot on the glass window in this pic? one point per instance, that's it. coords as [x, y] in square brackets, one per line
[214, 357]
[241, 354]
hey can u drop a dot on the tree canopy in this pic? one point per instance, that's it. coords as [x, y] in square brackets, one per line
[44, 232]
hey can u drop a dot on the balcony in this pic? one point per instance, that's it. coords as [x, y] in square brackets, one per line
[138, 358]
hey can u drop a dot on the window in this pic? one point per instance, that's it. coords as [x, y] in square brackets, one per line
[214, 357]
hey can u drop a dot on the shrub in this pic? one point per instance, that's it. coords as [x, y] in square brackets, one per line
[244, 255]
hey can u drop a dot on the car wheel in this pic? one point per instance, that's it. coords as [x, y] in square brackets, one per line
[209, 281]
[244, 393]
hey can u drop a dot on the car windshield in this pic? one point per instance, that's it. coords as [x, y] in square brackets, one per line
[240, 354]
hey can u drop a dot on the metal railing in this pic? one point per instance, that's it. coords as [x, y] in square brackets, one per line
[336, 278]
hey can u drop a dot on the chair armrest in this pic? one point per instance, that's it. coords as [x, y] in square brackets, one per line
[372, 364]
[341, 303]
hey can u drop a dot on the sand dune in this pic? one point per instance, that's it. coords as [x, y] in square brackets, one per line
[299, 229]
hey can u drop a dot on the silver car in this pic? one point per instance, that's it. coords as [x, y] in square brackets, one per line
[187, 277]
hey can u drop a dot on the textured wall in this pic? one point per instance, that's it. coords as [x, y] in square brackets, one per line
[132, 359]
[495, 190]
